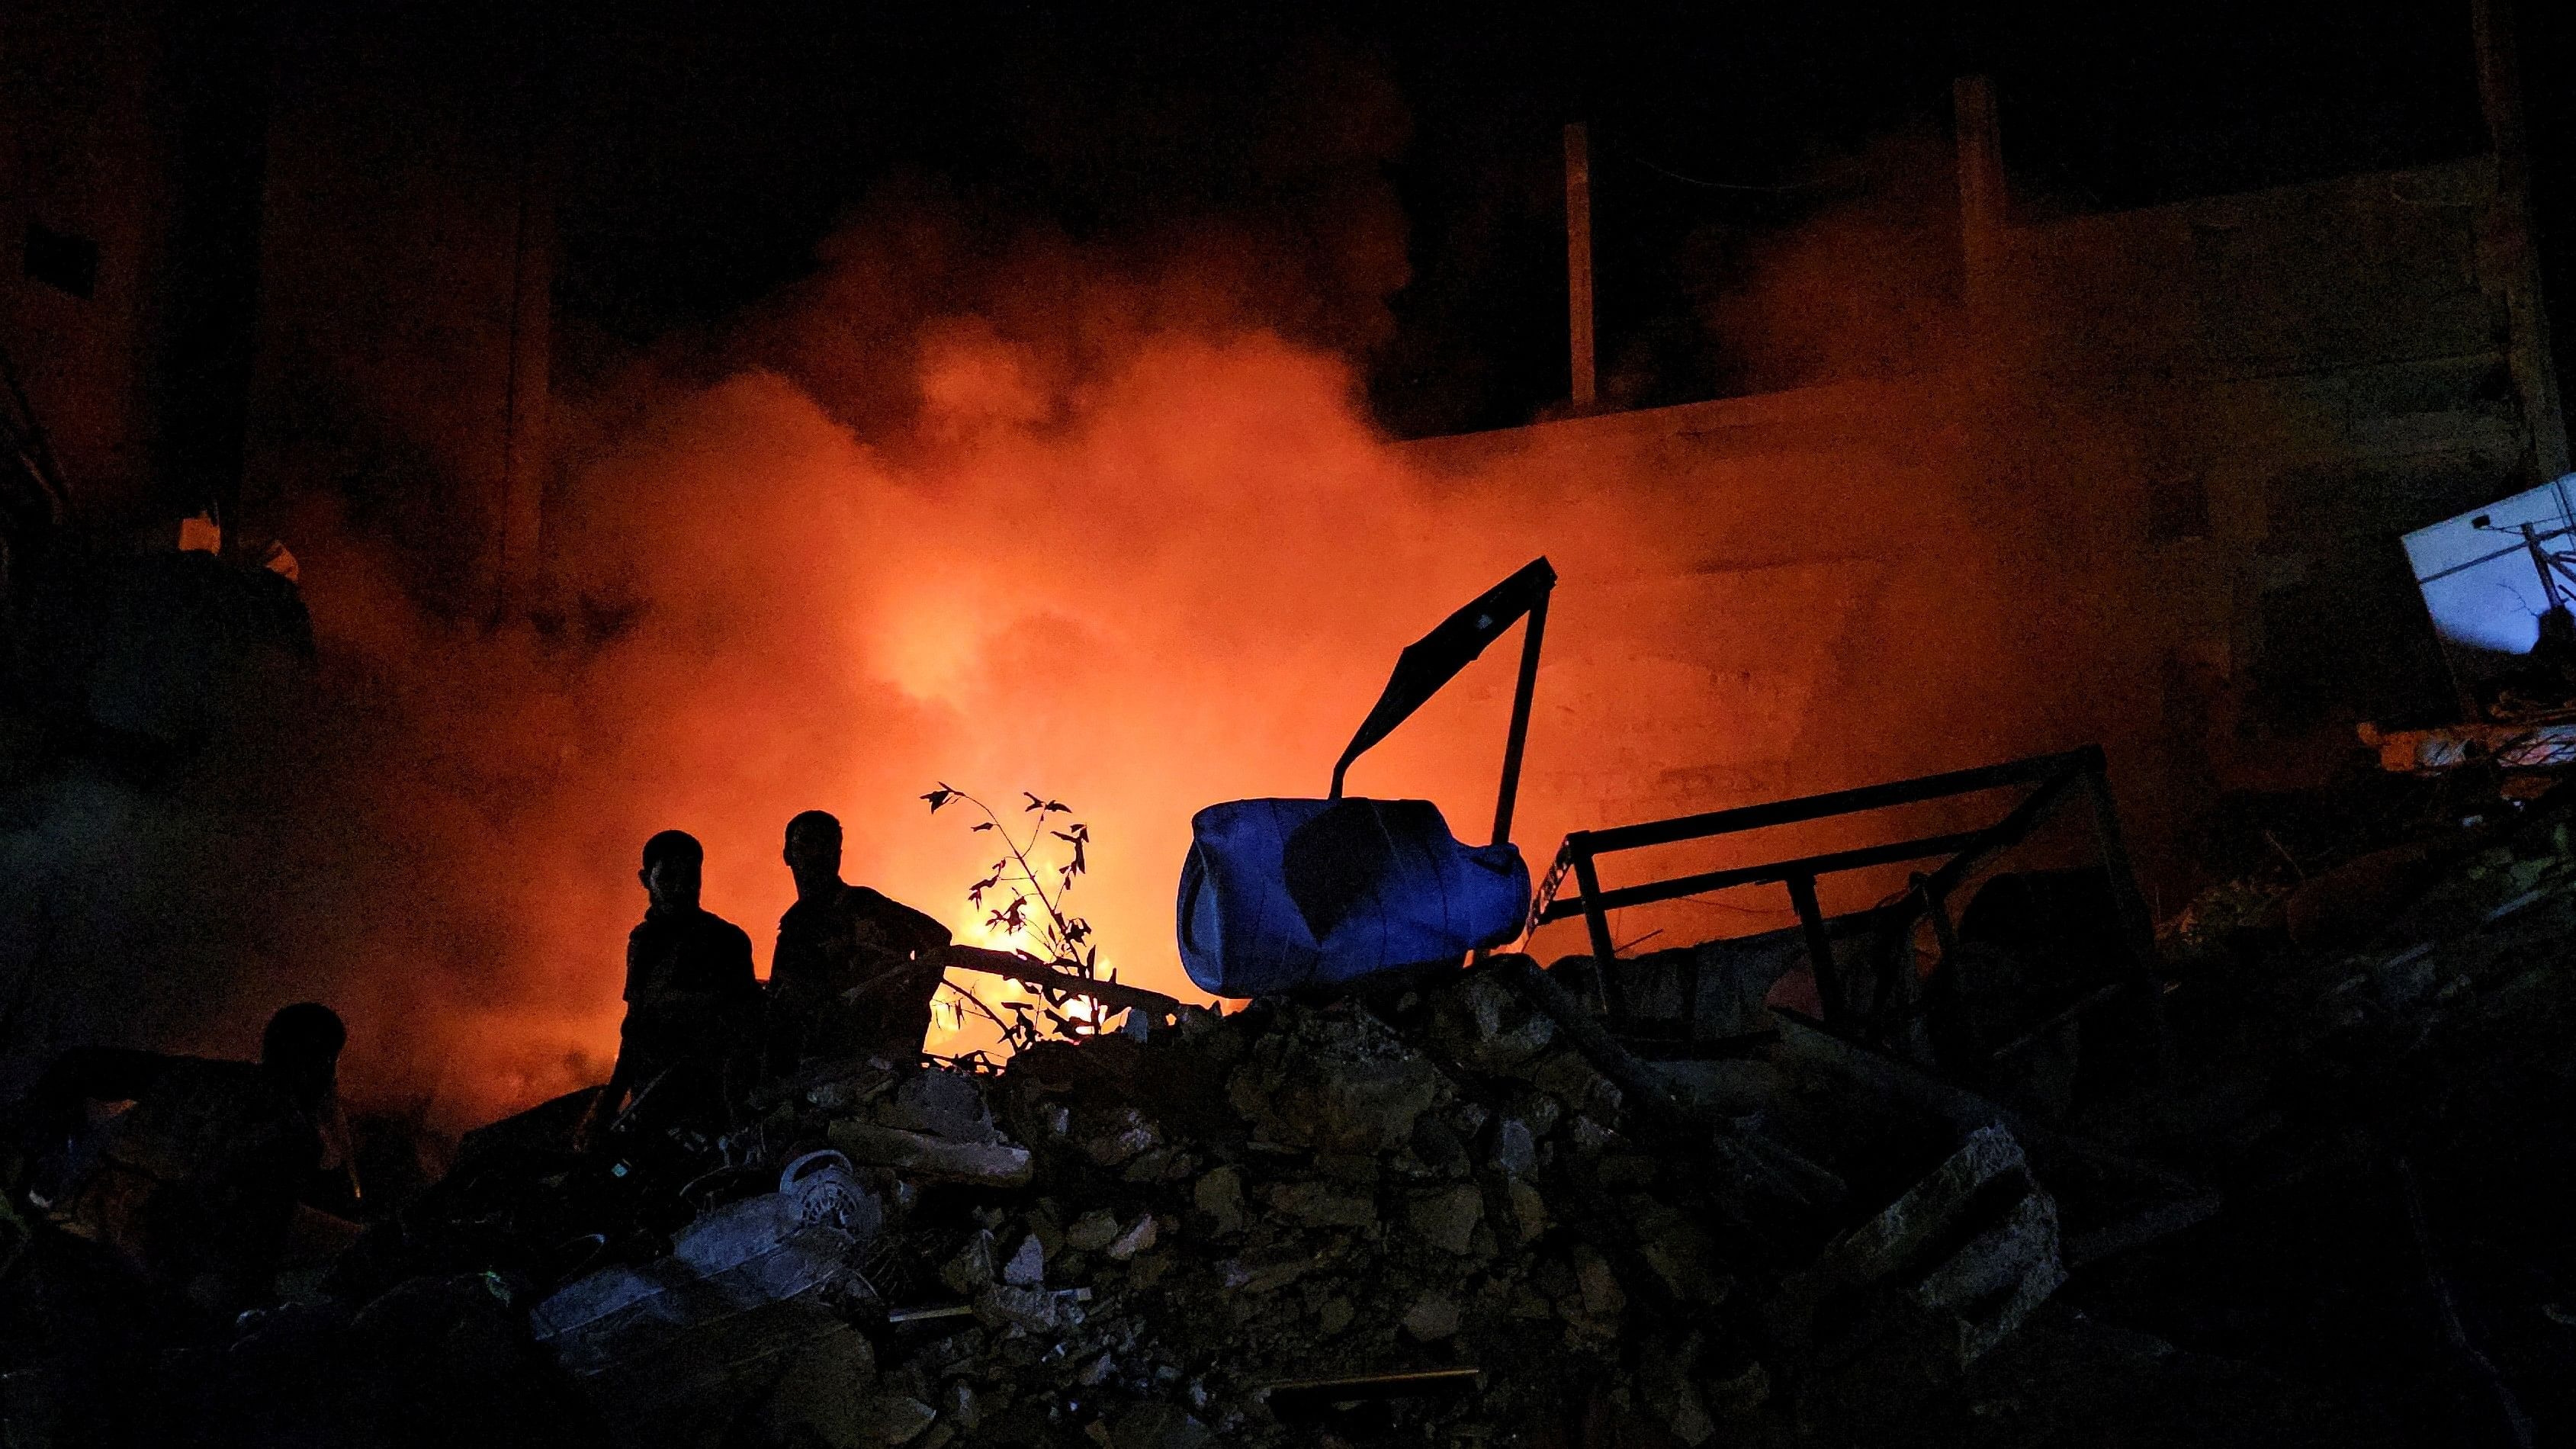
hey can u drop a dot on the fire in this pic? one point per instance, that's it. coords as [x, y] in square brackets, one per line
[1142, 566]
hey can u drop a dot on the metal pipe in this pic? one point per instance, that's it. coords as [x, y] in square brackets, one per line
[1522, 691]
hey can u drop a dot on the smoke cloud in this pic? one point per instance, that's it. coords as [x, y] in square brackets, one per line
[984, 504]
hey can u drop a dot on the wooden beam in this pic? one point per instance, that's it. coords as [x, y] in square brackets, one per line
[1062, 982]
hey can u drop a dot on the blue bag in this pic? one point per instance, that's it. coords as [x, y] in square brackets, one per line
[1286, 895]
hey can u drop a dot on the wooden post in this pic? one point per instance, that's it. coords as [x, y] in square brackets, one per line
[2535, 375]
[1981, 187]
[1578, 262]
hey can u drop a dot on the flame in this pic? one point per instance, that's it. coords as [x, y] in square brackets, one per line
[1142, 568]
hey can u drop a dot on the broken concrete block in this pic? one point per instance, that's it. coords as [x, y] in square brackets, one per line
[1434, 1316]
[1030, 1310]
[1602, 1297]
[888, 1420]
[1092, 1231]
[1219, 1194]
[918, 1154]
[1485, 1026]
[1027, 1265]
[2014, 1241]
[969, 1270]
[941, 1102]
[673, 1350]
[1122, 1136]
[1448, 1218]
[1158, 1426]
[1133, 1241]
[818, 1399]
[1905, 1302]
[1322, 1205]
[1529, 1217]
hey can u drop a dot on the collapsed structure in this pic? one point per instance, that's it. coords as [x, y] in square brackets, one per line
[1480, 1209]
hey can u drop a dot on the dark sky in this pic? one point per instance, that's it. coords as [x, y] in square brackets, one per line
[718, 144]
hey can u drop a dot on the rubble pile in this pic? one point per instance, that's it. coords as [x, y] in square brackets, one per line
[1479, 1207]
[1425, 1214]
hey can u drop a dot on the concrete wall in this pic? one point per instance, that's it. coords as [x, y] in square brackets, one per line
[2155, 504]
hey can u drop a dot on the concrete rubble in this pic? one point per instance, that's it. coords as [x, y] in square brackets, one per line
[1468, 1212]
[1437, 1204]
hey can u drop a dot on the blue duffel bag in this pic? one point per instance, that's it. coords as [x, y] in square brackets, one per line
[1290, 895]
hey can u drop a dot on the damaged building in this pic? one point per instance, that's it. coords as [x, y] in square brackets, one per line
[2010, 915]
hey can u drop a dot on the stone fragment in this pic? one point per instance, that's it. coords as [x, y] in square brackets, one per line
[1587, 1136]
[1092, 1231]
[1666, 1381]
[1529, 1211]
[1135, 1240]
[1681, 1255]
[1448, 1217]
[887, 1420]
[1514, 1150]
[1219, 1194]
[969, 1270]
[1158, 1426]
[1334, 1316]
[921, 1155]
[1161, 1164]
[817, 1399]
[942, 1103]
[1120, 1137]
[1434, 1316]
[1485, 1026]
[1030, 1310]
[1027, 1266]
[1438, 1145]
[1602, 1297]
[1322, 1205]
[1737, 1394]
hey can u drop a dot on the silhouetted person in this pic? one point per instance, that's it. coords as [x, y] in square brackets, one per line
[692, 1003]
[195, 1184]
[855, 970]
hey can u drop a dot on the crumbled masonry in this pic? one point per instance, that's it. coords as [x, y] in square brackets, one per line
[1466, 1212]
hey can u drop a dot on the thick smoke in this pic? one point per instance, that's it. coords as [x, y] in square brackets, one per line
[985, 504]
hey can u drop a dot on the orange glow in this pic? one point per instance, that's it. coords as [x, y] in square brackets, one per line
[1143, 559]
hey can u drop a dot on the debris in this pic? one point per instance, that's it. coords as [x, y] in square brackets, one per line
[1912, 1297]
[934, 1159]
[672, 1350]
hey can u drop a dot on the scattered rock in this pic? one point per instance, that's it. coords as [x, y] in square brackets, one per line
[1027, 1267]
[1433, 1317]
[887, 1420]
[1448, 1218]
[1158, 1426]
[1092, 1231]
[1219, 1194]
[1133, 1241]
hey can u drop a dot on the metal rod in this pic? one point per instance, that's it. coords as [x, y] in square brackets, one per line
[2540, 565]
[1378, 1386]
[1590, 880]
[1820, 948]
[1813, 865]
[1535, 633]
[2010, 830]
[1838, 802]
